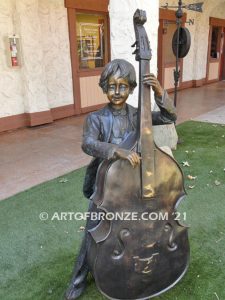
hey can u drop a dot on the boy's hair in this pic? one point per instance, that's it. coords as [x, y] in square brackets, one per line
[121, 67]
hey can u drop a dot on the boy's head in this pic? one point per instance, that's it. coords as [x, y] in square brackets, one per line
[119, 68]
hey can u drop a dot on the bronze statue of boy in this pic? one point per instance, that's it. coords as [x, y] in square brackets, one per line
[103, 132]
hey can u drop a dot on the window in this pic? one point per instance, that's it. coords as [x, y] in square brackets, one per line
[91, 40]
[215, 42]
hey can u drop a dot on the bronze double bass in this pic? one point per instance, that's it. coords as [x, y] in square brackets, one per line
[139, 259]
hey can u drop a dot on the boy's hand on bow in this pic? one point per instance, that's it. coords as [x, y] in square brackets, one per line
[151, 80]
[131, 156]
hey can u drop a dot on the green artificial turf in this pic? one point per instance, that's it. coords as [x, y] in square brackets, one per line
[36, 257]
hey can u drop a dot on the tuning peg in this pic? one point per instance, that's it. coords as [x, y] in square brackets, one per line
[134, 44]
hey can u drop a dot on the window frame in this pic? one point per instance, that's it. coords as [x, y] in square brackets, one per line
[95, 71]
[87, 6]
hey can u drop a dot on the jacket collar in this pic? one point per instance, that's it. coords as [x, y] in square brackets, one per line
[107, 119]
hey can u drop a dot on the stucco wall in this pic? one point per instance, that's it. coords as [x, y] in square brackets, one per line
[11, 90]
[44, 80]
[210, 9]
[33, 70]
[122, 32]
[218, 11]
[56, 52]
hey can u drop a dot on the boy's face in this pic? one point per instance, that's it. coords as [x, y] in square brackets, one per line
[118, 91]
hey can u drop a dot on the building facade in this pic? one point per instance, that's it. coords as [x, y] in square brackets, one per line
[205, 60]
[53, 51]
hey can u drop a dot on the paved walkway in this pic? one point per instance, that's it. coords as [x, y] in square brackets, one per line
[31, 156]
[198, 101]
[214, 116]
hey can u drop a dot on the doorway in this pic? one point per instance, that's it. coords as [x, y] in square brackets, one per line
[216, 51]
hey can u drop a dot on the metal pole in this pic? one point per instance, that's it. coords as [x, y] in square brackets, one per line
[176, 74]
